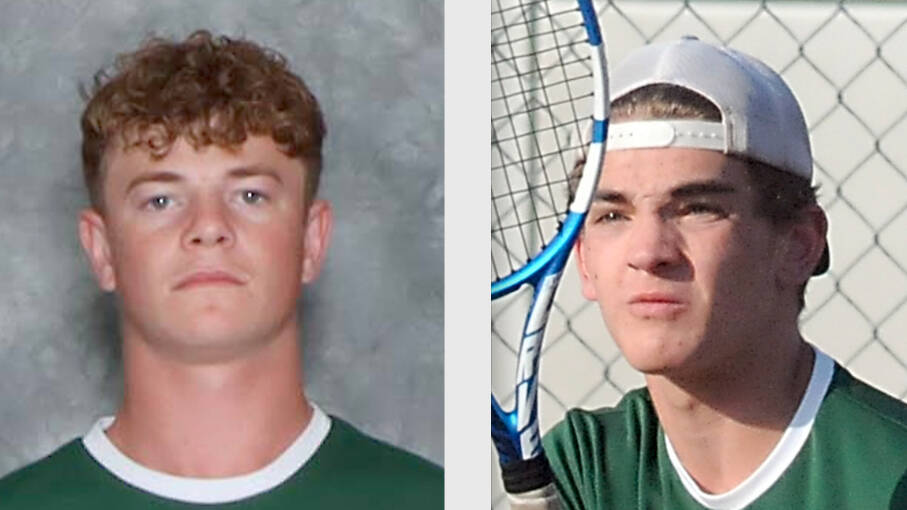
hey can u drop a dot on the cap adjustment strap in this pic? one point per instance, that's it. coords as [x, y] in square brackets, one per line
[649, 134]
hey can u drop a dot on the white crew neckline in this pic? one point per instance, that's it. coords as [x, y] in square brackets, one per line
[780, 458]
[207, 490]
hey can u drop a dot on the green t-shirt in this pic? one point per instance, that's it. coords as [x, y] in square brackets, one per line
[331, 465]
[846, 448]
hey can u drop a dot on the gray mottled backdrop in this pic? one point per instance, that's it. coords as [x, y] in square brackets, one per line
[372, 336]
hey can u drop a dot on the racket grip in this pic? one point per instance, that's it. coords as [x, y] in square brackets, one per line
[526, 475]
[530, 485]
[544, 498]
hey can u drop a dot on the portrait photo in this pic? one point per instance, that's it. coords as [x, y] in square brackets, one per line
[147, 153]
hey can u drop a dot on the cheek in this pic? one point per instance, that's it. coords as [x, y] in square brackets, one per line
[277, 249]
[589, 270]
[140, 267]
[733, 272]
[138, 251]
[601, 277]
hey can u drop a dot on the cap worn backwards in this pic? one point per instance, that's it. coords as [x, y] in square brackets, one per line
[761, 118]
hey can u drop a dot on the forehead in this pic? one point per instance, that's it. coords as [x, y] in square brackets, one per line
[202, 162]
[656, 172]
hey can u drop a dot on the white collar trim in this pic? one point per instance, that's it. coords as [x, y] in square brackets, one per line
[781, 456]
[207, 490]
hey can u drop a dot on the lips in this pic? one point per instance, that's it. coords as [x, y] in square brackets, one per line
[208, 277]
[656, 305]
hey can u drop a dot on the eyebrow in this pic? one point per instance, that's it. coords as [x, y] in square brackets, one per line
[610, 196]
[254, 171]
[684, 191]
[239, 172]
[700, 188]
[153, 177]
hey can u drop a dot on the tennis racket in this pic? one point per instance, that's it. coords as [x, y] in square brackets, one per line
[549, 86]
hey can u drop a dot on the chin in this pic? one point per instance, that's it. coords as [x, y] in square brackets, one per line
[650, 366]
[210, 341]
[657, 352]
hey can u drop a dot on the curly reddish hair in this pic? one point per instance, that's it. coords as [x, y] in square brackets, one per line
[207, 90]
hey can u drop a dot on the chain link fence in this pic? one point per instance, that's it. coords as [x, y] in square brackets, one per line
[846, 64]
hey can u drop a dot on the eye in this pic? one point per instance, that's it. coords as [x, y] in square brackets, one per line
[251, 196]
[159, 202]
[608, 217]
[702, 208]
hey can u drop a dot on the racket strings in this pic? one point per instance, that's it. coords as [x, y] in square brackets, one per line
[506, 49]
[554, 128]
[541, 80]
[523, 93]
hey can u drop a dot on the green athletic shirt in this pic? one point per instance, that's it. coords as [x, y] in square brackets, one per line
[846, 448]
[331, 465]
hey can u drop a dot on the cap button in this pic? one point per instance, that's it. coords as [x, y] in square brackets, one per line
[689, 38]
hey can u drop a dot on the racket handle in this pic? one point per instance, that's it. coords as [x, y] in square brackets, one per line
[545, 498]
[530, 484]
[527, 475]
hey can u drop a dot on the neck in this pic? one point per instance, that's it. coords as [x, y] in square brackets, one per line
[208, 420]
[723, 424]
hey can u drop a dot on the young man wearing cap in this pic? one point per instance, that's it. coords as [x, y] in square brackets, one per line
[702, 235]
[201, 159]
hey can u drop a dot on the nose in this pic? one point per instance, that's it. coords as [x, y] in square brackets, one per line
[209, 225]
[654, 245]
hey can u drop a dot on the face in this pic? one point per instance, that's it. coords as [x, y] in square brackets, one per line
[684, 272]
[207, 249]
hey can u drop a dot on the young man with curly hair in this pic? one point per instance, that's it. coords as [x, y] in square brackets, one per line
[201, 160]
[703, 232]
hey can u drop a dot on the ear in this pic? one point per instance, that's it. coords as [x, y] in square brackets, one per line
[96, 244]
[319, 223]
[802, 247]
[587, 278]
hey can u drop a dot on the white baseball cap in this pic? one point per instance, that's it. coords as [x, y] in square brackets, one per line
[761, 119]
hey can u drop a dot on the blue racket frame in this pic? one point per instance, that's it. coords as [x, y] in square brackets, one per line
[516, 433]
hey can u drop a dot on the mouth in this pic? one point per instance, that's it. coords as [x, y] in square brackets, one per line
[208, 278]
[656, 306]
